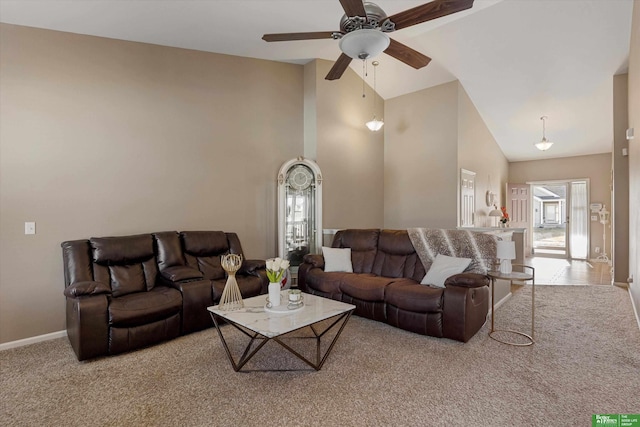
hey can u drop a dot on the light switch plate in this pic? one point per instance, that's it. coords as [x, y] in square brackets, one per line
[29, 228]
[594, 217]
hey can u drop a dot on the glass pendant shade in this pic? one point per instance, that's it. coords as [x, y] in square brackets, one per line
[364, 43]
[375, 125]
[543, 145]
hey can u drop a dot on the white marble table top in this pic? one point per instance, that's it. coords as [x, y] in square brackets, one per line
[254, 317]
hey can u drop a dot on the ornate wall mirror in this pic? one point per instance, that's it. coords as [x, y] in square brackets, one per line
[299, 210]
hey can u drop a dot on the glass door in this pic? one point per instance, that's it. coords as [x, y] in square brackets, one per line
[550, 219]
[561, 219]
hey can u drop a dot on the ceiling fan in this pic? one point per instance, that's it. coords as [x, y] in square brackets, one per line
[364, 27]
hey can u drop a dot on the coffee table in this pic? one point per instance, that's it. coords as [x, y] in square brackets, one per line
[262, 326]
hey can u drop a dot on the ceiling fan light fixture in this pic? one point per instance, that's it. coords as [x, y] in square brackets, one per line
[544, 144]
[364, 44]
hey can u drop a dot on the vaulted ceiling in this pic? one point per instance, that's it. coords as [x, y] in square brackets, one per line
[517, 59]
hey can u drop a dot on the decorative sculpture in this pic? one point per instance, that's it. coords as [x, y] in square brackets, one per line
[231, 298]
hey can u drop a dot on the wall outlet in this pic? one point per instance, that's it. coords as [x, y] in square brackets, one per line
[594, 217]
[29, 228]
[597, 249]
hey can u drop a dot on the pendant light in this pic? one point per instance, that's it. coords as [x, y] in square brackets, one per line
[543, 145]
[374, 124]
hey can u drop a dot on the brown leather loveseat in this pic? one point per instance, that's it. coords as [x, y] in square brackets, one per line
[128, 292]
[387, 271]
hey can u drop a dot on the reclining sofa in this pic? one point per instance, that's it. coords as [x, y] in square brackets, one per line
[128, 292]
[387, 271]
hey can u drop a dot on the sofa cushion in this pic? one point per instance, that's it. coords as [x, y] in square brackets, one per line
[205, 243]
[396, 256]
[412, 296]
[169, 249]
[328, 283]
[210, 266]
[444, 267]
[122, 250]
[363, 244]
[144, 307]
[337, 259]
[126, 279]
[366, 287]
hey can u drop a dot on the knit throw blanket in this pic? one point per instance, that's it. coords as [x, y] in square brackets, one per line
[429, 242]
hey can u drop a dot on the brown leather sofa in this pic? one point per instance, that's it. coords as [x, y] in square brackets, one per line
[385, 283]
[129, 292]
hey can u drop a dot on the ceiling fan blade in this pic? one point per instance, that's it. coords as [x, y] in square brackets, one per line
[407, 55]
[283, 37]
[353, 8]
[429, 11]
[339, 67]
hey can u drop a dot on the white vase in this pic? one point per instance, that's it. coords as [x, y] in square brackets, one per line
[274, 294]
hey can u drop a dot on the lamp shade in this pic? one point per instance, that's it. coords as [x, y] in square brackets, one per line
[364, 43]
[495, 212]
[506, 249]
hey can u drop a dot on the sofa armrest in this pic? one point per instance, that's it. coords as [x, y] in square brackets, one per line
[181, 273]
[310, 262]
[197, 295]
[467, 280]
[316, 260]
[86, 288]
[250, 267]
[88, 325]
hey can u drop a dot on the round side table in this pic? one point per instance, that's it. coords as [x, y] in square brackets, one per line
[494, 275]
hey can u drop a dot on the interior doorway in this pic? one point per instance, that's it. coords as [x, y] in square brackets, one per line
[560, 219]
[550, 219]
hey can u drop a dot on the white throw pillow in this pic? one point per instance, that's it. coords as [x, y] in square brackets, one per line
[443, 267]
[337, 259]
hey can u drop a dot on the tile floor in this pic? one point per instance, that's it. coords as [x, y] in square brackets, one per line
[557, 271]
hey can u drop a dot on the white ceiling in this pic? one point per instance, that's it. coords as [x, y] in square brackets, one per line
[517, 59]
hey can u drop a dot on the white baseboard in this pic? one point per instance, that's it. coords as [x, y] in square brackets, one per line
[623, 285]
[32, 340]
[635, 309]
[499, 303]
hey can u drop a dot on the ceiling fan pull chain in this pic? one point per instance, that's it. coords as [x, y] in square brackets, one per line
[364, 74]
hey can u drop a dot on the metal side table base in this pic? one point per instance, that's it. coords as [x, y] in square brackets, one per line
[494, 275]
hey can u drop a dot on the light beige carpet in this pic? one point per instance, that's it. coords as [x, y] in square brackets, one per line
[586, 361]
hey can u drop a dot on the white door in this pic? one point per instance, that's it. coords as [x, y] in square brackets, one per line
[467, 198]
[518, 200]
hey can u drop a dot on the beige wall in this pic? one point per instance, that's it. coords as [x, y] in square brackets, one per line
[634, 156]
[597, 168]
[430, 136]
[620, 212]
[102, 137]
[479, 152]
[349, 154]
[420, 158]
